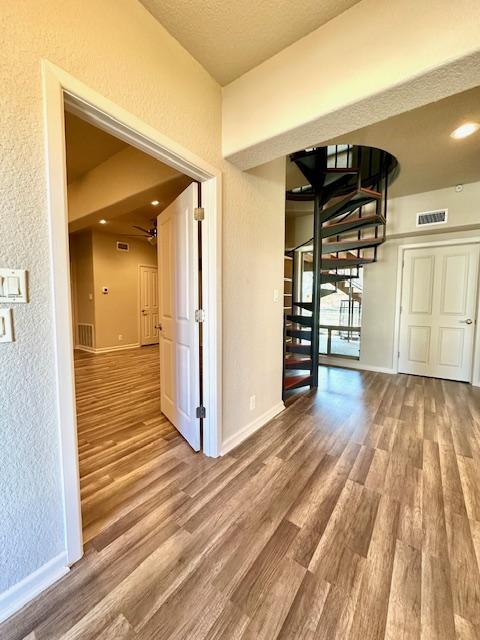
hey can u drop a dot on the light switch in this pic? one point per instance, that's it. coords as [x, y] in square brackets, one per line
[13, 285]
[6, 326]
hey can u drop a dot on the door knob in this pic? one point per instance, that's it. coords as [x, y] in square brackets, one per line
[467, 321]
[158, 326]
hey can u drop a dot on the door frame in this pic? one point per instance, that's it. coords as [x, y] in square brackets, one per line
[398, 299]
[61, 90]
[139, 300]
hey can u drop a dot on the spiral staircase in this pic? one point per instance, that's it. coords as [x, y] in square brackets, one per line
[348, 188]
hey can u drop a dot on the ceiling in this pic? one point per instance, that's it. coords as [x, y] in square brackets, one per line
[87, 146]
[420, 140]
[230, 38]
[122, 216]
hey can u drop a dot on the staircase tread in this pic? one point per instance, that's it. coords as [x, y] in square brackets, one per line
[350, 245]
[350, 202]
[289, 382]
[370, 219]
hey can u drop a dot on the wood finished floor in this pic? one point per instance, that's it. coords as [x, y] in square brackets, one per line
[354, 515]
[121, 433]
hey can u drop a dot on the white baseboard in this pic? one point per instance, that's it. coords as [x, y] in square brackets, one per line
[120, 347]
[17, 596]
[353, 364]
[80, 347]
[237, 438]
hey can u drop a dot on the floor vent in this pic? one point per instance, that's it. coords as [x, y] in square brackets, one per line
[428, 218]
[85, 335]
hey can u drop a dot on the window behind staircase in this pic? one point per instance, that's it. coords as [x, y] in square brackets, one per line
[340, 311]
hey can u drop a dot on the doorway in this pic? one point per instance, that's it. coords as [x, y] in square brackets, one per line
[137, 377]
[438, 309]
[62, 90]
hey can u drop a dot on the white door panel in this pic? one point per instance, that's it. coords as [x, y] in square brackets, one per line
[421, 284]
[177, 234]
[148, 305]
[439, 293]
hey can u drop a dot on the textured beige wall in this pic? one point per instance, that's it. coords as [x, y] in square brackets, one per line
[81, 254]
[98, 264]
[118, 49]
[121, 177]
[117, 313]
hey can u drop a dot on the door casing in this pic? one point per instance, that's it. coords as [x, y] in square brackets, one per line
[63, 91]
[398, 298]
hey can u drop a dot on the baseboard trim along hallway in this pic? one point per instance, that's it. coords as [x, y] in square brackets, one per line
[345, 363]
[237, 438]
[121, 347]
[32, 585]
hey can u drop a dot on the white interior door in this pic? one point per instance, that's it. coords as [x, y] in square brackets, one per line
[177, 246]
[148, 305]
[438, 310]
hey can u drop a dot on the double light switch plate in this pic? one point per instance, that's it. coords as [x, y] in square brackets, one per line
[13, 285]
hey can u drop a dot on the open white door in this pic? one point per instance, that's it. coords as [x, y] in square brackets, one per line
[177, 245]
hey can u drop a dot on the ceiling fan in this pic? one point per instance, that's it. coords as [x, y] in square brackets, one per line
[150, 234]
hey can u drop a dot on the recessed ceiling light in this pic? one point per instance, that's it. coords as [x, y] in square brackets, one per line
[465, 130]
[102, 221]
[155, 203]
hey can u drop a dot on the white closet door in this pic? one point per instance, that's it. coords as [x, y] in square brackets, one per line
[148, 305]
[438, 311]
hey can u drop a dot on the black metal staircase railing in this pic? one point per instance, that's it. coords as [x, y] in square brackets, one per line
[348, 187]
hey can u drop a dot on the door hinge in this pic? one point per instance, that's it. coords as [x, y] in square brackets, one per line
[199, 315]
[200, 411]
[199, 213]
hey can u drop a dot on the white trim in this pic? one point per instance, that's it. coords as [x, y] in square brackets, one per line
[120, 347]
[32, 585]
[346, 363]
[60, 89]
[398, 299]
[237, 438]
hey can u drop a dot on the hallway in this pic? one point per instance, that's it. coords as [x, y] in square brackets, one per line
[124, 441]
[355, 514]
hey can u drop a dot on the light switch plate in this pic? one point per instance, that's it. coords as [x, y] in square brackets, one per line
[13, 285]
[6, 325]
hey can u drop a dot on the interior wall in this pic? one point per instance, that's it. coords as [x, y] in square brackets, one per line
[117, 313]
[121, 177]
[81, 250]
[380, 278]
[118, 49]
[373, 61]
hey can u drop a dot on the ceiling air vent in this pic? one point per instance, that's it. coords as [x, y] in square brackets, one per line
[123, 246]
[429, 218]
